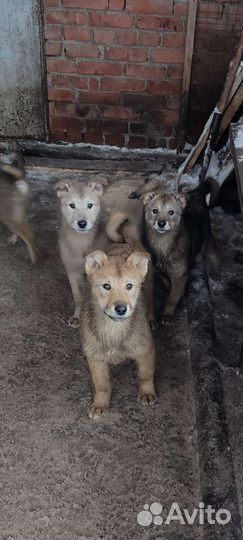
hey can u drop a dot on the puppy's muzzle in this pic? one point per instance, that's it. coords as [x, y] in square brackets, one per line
[82, 224]
[121, 310]
[161, 224]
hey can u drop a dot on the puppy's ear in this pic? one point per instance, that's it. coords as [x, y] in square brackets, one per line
[97, 187]
[62, 187]
[147, 197]
[180, 199]
[17, 173]
[94, 261]
[139, 261]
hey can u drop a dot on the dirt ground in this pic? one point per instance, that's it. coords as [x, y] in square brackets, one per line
[67, 477]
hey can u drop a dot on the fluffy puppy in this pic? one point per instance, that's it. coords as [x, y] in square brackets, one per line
[114, 326]
[168, 241]
[14, 199]
[80, 224]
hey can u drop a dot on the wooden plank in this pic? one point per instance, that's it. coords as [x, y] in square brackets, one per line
[232, 108]
[236, 142]
[190, 36]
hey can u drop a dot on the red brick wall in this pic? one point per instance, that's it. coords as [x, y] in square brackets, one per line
[114, 67]
[114, 70]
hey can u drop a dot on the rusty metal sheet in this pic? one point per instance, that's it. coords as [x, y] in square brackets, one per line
[22, 110]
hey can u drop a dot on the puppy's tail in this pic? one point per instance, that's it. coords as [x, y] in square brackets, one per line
[120, 229]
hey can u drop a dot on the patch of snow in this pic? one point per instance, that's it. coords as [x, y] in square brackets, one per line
[238, 140]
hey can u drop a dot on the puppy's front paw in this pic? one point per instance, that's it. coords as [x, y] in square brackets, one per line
[13, 239]
[148, 398]
[74, 322]
[96, 412]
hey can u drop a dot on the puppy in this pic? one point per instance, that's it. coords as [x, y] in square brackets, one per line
[168, 241]
[14, 199]
[80, 210]
[114, 325]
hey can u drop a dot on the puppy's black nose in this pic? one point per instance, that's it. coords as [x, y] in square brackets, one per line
[82, 224]
[120, 310]
[161, 224]
[134, 195]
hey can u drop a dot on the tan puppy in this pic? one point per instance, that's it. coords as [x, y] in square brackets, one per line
[118, 207]
[168, 241]
[14, 198]
[114, 325]
[80, 205]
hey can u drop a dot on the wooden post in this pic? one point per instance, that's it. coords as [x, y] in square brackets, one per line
[190, 35]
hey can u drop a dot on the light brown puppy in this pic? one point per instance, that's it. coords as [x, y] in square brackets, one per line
[114, 325]
[80, 210]
[14, 199]
[168, 241]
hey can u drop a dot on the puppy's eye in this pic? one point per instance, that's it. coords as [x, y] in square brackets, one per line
[129, 286]
[155, 211]
[90, 205]
[72, 205]
[106, 286]
[171, 212]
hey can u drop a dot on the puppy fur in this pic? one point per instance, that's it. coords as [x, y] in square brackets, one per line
[114, 325]
[14, 199]
[168, 241]
[80, 224]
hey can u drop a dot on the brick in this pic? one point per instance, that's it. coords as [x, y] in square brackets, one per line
[111, 37]
[142, 102]
[77, 33]
[126, 54]
[99, 68]
[57, 136]
[137, 142]
[58, 94]
[65, 108]
[210, 9]
[86, 4]
[164, 87]
[94, 137]
[82, 111]
[122, 85]
[175, 73]
[94, 84]
[53, 48]
[102, 98]
[149, 38]
[172, 24]
[107, 126]
[168, 56]
[117, 5]
[157, 7]
[139, 128]
[121, 113]
[174, 102]
[115, 139]
[51, 3]
[62, 123]
[171, 117]
[145, 72]
[181, 8]
[66, 17]
[104, 36]
[125, 37]
[53, 32]
[173, 40]
[74, 136]
[60, 65]
[112, 20]
[68, 82]
[74, 50]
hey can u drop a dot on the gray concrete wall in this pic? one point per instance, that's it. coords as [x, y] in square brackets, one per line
[22, 111]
